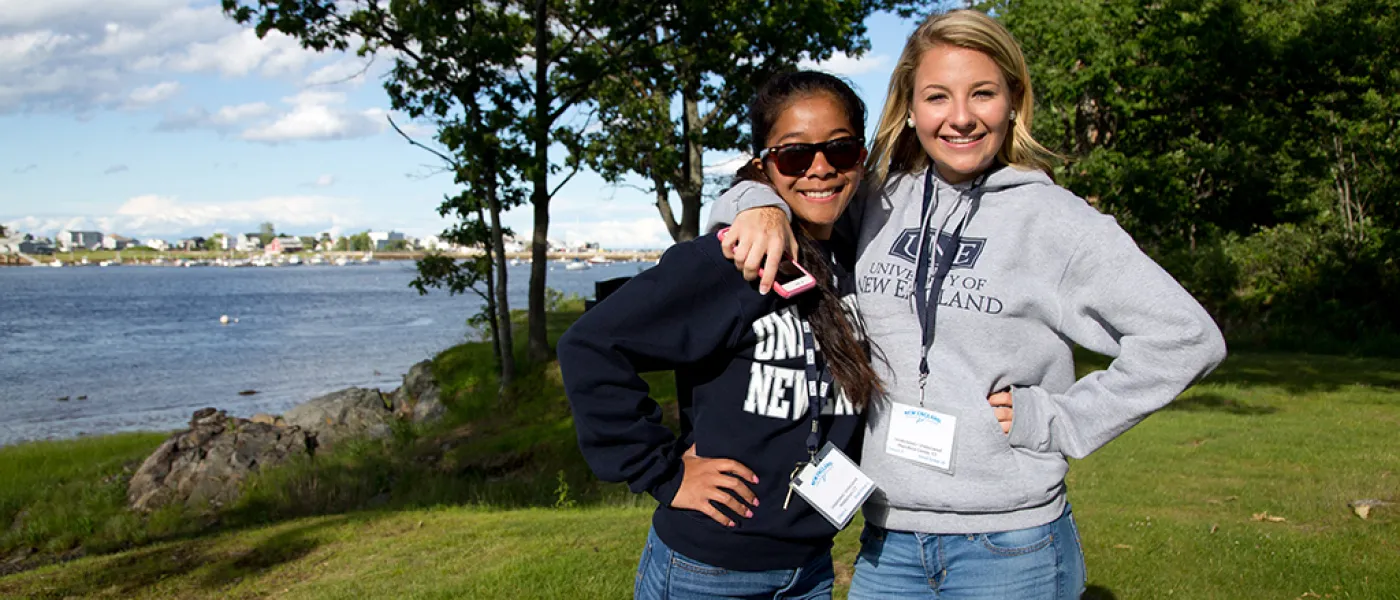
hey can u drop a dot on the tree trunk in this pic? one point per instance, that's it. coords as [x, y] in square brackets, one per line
[692, 168]
[538, 333]
[663, 205]
[493, 320]
[505, 341]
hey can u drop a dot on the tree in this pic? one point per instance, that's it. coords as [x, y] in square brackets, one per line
[266, 231]
[360, 242]
[690, 93]
[432, 77]
[215, 241]
[1248, 144]
[577, 44]
[457, 64]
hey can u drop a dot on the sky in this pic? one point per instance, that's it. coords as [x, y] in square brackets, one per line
[164, 118]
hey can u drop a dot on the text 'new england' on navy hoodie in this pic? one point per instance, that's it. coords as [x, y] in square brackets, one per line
[741, 385]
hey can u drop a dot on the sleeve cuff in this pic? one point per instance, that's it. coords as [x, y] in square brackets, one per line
[1030, 428]
[665, 490]
[756, 195]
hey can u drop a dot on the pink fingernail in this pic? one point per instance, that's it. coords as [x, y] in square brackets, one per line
[748, 514]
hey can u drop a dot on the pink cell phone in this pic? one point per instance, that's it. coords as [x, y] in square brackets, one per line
[792, 279]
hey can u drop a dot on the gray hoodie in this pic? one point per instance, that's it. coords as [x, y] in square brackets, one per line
[1037, 271]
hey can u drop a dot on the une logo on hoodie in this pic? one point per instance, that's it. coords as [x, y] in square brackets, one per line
[906, 246]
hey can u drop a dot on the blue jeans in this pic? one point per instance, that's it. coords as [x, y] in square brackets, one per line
[1039, 563]
[664, 574]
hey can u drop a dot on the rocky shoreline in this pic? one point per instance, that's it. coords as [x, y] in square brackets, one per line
[205, 465]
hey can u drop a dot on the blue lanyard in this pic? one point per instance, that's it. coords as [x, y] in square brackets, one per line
[927, 304]
[818, 385]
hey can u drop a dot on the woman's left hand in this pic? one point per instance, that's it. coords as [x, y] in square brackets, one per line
[1001, 406]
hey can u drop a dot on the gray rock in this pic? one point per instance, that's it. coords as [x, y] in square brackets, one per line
[419, 399]
[348, 413]
[429, 407]
[207, 464]
[419, 379]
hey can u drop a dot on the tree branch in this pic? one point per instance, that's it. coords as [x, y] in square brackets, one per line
[414, 142]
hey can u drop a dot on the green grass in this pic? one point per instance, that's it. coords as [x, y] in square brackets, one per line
[1165, 511]
[58, 496]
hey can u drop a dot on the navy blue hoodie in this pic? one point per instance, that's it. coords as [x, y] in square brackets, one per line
[740, 382]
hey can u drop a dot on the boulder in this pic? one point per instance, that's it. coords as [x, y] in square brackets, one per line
[419, 399]
[348, 413]
[207, 464]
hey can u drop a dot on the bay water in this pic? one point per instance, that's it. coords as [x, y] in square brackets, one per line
[145, 348]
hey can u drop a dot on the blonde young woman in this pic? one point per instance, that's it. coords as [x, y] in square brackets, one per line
[976, 275]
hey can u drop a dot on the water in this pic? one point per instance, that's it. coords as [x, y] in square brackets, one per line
[144, 344]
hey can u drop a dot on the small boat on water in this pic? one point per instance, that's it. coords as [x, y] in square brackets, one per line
[599, 260]
[368, 259]
[576, 265]
[341, 261]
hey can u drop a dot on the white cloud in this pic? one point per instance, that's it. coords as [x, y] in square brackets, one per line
[316, 115]
[841, 64]
[349, 71]
[79, 56]
[166, 216]
[728, 166]
[326, 180]
[222, 120]
[152, 94]
[27, 13]
[239, 54]
[635, 233]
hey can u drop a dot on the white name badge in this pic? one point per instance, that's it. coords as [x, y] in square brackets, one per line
[922, 436]
[833, 485]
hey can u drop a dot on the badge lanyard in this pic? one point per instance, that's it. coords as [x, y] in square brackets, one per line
[926, 303]
[818, 385]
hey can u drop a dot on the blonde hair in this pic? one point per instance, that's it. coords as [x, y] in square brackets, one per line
[896, 147]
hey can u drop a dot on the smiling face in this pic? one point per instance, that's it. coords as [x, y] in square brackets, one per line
[961, 109]
[818, 196]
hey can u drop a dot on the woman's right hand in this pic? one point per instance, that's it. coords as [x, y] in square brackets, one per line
[757, 240]
[709, 481]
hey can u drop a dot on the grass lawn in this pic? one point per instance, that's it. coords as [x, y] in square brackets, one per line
[1166, 511]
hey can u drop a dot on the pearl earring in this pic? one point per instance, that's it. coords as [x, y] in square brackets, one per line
[1013, 114]
[909, 122]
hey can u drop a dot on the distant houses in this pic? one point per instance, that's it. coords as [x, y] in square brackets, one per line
[118, 242]
[248, 242]
[69, 240]
[284, 245]
[26, 244]
[383, 239]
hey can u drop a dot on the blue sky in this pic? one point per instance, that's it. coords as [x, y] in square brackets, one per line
[162, 118]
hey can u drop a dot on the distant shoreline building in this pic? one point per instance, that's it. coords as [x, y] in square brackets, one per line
[69, 240]
[284, 245]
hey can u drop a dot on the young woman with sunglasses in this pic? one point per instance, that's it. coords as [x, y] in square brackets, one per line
[977, 276]
[727, 526]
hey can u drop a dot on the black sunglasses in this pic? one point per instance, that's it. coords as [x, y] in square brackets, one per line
[793, 160]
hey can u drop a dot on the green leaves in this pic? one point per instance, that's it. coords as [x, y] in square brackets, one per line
[1238, 126]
